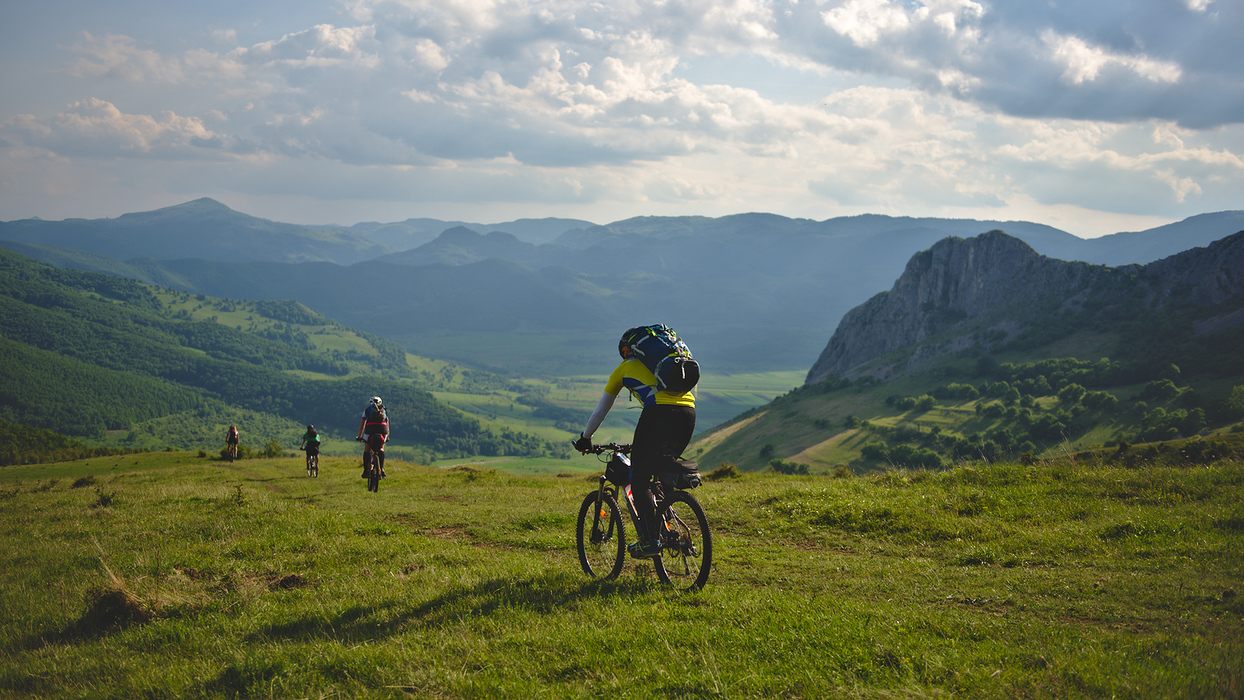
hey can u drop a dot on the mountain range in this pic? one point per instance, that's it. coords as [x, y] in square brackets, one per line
[750, 292]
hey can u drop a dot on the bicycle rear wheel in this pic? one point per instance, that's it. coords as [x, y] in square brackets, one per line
[686, 543]
[600, 537]
[313, 466]
[373, 472]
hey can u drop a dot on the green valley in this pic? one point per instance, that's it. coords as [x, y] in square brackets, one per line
[126, 365]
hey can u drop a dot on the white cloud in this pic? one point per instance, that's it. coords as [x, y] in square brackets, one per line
[1085, 63]
[321, 46]
[118, 57]
[905, 106]
[95, 128]
[865, 21]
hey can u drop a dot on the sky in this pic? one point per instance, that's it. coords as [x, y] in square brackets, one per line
[1094, 116]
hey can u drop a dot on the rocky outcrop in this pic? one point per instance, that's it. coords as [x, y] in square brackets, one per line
[950, 296]
[1208, 276]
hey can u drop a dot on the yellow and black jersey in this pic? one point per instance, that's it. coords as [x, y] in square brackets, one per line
[633, 375]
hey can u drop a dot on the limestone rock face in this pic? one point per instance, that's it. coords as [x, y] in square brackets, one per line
[996, 281]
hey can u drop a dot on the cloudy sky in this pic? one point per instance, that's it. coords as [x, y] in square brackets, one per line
[1095, 116]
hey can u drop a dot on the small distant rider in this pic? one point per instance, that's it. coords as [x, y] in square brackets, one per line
[311, 443]
[663, 432]
[232, 436]
[374, 424]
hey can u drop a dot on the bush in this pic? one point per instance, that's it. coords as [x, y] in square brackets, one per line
[1072, 393]
[272, 449]
[1159, 390]
[782, 467]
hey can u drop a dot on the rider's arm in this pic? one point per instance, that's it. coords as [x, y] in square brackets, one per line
[598, 416]
[362, 421]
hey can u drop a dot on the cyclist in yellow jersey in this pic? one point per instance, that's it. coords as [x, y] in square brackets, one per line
[663, 432]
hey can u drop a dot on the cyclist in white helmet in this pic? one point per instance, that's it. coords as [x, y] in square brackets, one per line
[374, 423]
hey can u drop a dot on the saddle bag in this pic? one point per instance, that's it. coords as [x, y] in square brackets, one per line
[681, 474]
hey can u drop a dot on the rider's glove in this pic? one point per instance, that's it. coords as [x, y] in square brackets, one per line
[583, 444]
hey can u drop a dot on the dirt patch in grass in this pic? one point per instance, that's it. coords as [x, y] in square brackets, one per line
[111, 609]
[289, 581]
[446, 533]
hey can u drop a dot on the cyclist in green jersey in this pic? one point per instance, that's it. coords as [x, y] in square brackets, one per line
[311, 443]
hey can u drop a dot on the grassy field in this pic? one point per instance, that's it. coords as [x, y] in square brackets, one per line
[173, 575]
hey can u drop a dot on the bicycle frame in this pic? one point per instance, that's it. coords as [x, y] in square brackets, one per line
[608, 488]
[686, 544]
[373, 462]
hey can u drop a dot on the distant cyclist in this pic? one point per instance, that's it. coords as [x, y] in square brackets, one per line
[375, 425]
[311, 443]
[232, 436]
[664, 430]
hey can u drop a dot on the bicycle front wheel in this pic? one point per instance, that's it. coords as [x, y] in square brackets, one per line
[686, 543]
[600, 537]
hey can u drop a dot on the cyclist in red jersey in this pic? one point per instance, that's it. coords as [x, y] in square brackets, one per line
[374, 422]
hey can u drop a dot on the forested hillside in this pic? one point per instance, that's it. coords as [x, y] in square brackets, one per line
[84, 354]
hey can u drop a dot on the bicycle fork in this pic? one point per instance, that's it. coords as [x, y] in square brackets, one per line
[599, 533]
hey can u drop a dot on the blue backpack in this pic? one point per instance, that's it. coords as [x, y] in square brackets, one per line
[666, 356]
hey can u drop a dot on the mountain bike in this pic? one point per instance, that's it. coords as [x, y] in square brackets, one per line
[372, 467]
[686, 542]
[313, 463]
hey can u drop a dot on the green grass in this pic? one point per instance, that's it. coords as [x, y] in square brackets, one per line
[170, 575]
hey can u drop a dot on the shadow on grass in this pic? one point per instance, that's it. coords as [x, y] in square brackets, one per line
[542, 594]
[109, 610]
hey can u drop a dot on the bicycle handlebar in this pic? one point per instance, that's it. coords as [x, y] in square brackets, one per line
[612, 447]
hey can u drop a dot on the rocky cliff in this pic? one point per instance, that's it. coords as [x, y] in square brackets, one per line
[983, 290]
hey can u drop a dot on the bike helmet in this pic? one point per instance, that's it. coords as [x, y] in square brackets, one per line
[624, 344]
[376, 400]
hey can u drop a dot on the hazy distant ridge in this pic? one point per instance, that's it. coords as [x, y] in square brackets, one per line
[753, 291]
